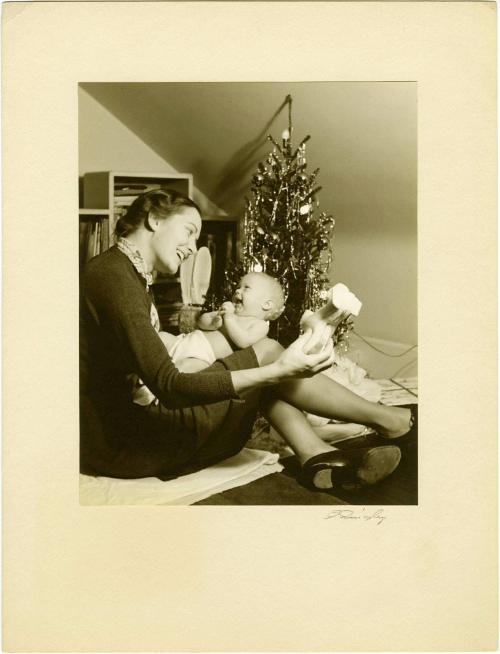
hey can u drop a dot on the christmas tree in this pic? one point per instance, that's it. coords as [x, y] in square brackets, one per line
[285, 234]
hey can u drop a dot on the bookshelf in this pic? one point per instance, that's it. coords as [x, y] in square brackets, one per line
[93, 233]
[106, 196]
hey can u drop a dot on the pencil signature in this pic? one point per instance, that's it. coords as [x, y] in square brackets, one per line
[363, 515]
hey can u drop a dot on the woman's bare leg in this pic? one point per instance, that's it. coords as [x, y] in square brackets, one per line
[338, 431]
[293, 426]
[322, 396]
[323, 466]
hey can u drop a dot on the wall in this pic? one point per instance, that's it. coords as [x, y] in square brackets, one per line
[106, 144]
[382, 271]
[373, 181]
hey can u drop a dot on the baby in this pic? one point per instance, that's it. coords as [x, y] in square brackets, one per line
[238, 324]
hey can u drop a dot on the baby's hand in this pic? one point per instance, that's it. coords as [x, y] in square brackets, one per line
[216, 321]
[228, 307]
[209, 321]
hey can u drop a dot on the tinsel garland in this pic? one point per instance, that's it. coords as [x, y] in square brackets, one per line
[286, 236]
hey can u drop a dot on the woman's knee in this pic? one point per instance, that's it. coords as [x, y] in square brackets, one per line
[267, 351]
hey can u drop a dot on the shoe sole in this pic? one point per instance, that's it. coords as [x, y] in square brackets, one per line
[377, 464]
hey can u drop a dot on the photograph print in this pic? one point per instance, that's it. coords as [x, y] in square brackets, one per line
[248, 293]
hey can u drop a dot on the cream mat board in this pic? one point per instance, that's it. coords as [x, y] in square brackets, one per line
[247, 466]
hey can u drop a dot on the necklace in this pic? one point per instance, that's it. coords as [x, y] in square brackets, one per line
[135, 257]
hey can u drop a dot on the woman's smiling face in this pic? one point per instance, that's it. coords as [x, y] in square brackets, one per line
[174, 239]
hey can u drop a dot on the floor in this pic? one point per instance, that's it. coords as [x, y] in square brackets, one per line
[285, 488]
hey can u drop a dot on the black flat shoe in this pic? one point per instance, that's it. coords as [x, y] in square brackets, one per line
[413, 419]
[351, 469]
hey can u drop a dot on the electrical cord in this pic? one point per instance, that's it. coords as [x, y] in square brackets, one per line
[407, 365]
[392, 356]
[403, 387]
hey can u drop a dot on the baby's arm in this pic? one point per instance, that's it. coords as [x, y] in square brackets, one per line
[209, 322]
[243, 333]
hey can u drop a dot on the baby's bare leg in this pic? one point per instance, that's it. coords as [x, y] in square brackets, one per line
[220, 346]
[189, 364]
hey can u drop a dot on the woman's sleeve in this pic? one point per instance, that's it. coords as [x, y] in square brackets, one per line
[122, 308]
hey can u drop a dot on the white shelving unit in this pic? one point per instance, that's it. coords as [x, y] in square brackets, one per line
[108, 190]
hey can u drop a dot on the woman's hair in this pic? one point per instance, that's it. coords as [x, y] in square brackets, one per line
[161, 204]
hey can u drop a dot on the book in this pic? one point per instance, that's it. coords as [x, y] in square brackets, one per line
[104, 234]
[89, 253]
[84, 234]
[123, 188]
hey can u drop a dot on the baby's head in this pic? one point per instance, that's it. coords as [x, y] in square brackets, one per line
[259, 295]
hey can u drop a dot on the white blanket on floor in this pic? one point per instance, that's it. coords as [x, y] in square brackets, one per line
[241, 469]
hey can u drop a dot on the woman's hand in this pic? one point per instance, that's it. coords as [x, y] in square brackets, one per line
[322, 329]
[300, 360]
[295, 362]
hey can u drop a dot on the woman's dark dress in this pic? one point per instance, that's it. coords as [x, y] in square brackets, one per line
[200, 418]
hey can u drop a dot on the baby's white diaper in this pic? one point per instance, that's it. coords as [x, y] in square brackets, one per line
[194, 345]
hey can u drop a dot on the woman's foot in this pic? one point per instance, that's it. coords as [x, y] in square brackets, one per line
[351, 469]
[333, 432]
[399, 422]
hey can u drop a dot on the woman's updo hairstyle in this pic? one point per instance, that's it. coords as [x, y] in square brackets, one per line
[159, 204]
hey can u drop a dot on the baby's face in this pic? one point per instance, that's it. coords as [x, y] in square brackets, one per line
[250, 296]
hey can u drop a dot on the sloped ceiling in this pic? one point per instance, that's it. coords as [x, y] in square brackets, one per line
[363, 139]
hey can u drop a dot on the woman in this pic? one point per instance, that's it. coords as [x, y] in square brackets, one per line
[205, 417]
